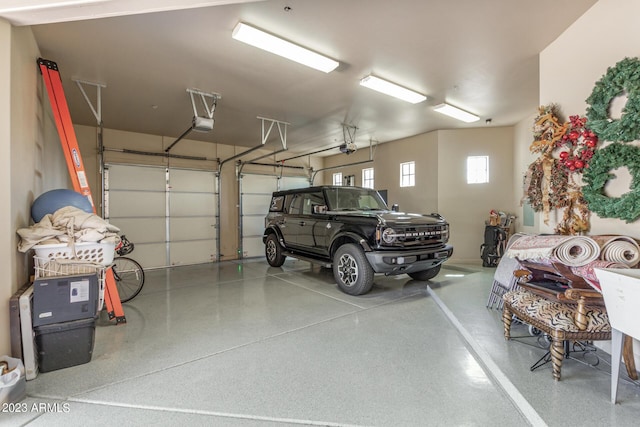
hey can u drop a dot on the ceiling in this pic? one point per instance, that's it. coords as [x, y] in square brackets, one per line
[481, 56]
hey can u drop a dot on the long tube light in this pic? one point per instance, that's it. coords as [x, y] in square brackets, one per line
[392, 89]
[456, 113]
[258, 38]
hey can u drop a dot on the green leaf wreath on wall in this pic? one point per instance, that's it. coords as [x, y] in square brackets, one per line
[622, 79]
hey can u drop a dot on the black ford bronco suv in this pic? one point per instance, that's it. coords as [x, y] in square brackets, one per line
[351, 230]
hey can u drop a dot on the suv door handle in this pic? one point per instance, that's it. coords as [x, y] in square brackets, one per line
[302, 223]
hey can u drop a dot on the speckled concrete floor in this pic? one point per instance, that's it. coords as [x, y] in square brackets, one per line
[244, 344]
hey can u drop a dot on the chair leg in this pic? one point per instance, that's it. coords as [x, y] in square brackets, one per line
[507, 318]
[557, 354]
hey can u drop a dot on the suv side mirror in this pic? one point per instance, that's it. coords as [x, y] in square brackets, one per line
[395, 207]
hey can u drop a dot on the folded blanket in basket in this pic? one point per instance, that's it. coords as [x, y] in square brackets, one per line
[68, 224]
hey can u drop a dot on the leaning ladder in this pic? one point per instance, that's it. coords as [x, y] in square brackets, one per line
[53, 83]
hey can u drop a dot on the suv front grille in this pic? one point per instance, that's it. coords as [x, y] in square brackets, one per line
[421, 235]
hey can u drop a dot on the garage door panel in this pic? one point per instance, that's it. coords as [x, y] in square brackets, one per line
[192, 228]
[136, 204]
[192, 180]
[255, 204]
[137, 178]
[141, 230]
[153, 214]
[252, 226]
[150, 255]
[292, 182]
[252, 247]
[193, 252]
[192, 204]
[259, 183]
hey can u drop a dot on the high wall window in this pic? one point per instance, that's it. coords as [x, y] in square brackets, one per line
[407, 174]
[337, 178]
[367, 178]
[477, 169]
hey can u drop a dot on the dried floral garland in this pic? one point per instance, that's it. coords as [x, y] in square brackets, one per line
[623, 78]
[626, 207]
[575, 219]
[547, 130]
[553, 194]
[577, 145]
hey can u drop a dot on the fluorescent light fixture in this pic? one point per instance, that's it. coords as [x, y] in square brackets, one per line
[456, 113]
[258, 38]
[392, 89]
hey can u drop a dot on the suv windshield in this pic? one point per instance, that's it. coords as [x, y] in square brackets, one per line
[351, 199]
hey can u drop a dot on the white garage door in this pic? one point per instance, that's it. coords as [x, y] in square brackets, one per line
[291, 182]
[255, 196]
[193, 204]
[169, 214]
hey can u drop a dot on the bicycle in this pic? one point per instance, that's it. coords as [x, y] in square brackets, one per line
[127, 272]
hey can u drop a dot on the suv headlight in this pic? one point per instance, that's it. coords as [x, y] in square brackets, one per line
[389, 235]
[445, 234]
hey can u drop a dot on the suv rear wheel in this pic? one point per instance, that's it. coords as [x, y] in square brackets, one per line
[425, 274]
[351, 270]
[273, 251]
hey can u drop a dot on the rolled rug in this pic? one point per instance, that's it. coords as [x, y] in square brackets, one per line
[572, 251]
[620, 249]
[580, 250]
[588, 273]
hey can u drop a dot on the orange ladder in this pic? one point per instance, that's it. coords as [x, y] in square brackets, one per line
[53, 83]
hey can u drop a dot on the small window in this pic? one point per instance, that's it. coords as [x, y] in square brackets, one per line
[407, 174]
[337, 178]
[477, 169]
[367, 178]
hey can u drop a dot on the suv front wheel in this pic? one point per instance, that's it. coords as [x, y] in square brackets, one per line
[351, 270]
[273, 251]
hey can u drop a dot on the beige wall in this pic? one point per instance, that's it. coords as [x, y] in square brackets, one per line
[387, 157]
[604, 35]
[467, 206]
[440, 159]
[522, 158]
[32, 160]
[7, 232]
[571, 65]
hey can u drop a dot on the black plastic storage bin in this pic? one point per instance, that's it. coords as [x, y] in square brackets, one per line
[65, 344]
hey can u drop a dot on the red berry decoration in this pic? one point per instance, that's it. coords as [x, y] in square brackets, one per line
[580, 144]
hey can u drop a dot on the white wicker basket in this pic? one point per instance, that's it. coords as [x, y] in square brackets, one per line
[100, 253]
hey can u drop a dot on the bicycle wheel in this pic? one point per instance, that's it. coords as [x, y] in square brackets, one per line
[129, 277]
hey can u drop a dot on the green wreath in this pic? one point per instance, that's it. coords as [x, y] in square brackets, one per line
[623, 77]
[626, 207]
